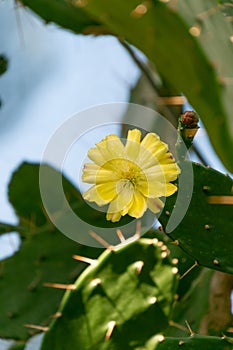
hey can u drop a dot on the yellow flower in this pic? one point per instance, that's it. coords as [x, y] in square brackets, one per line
[131, 177]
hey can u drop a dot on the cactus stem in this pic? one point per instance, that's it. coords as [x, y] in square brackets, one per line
[139, 265]
[190, 269]
[60, 286]
[85, 259]
[102, 241]
[189, 328]
[111, 326]
[39, 328]
[120, 235]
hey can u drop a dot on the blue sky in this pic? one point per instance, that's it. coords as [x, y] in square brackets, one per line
[52, 75]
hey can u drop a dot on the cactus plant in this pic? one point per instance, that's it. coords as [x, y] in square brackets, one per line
[55, 245]
[45, 255]
[130, 286]
[193, 306]
[203, 233]
[195, 342]
[125, 298]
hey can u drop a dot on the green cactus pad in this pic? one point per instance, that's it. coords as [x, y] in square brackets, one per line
[130, 289]
[195, 342]
[45, 255]
[205, 232]
[192, 307]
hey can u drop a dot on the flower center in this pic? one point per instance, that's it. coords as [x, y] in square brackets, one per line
[125, 169]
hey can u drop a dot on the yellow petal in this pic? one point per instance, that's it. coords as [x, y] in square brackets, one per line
[170, 189]
[138, 206]
[111, 147]
[104, 175]
[134, 135]
[155, 204]
[167, 159]
[107, 191]
[122, 202]
[90, 171]
[150, 140]
[154, 145]
[101, 194]
[132, 146]
[114, 217]
[170, 171]
[95, 155]
[153, 183]
[156, 179]
[155, 174]
[152, 189]
[92, 195]
[152, 149]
